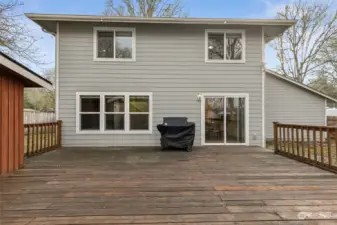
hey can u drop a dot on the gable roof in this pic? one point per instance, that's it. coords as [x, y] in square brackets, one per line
[306, 87]
[272, 27]
[31, 78]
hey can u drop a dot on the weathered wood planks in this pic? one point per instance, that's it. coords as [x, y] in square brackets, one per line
[211, 185]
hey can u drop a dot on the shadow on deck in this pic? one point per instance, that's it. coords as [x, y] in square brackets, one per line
[211, 185]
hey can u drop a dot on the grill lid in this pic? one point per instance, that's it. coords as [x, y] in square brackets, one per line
[175, 120]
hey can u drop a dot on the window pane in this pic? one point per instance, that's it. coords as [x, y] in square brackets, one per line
[139, 103]
[105, 45]
[235, 120]
[114, 104]
[215, 46]
[124, 44]
[214, 120]
[114, 122]
[234, 46]
[89, 121]
[139, 122]
[90, 103]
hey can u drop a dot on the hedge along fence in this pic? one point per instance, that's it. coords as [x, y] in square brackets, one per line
[42, 137]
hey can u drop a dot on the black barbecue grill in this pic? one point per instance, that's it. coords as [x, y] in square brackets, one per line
[176, 133]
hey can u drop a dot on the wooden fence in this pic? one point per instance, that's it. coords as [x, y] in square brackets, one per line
[332, 121]
[314, 145]
[42, 137]
[38, 117]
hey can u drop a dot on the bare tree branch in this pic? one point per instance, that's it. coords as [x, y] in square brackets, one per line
[300, 47]
[15, 39]
[145, 8]
[328, 57]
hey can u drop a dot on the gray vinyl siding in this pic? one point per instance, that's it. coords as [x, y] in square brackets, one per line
[288, 103]
[170, 63]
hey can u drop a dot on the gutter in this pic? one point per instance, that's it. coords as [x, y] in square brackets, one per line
[127, 19]
[48, 32]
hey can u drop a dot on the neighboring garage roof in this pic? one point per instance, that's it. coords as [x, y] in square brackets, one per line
[306, 87]
[30, 78]
[272, 27]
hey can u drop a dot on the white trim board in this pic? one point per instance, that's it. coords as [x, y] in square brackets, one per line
[24, 72]
[273, 73]
[225, 96]
[325, 113]
[102, 113]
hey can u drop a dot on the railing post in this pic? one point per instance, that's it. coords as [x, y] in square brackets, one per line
[335, 137]
[28, 140]
[329, 146]
[276, 137]
[297, 142]
[59, 133]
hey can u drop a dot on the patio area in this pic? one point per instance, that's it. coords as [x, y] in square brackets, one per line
[211, 185]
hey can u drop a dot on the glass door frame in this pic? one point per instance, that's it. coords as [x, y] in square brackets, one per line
[225, 96]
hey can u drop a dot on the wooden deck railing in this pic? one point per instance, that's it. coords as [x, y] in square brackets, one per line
[42, 137]
[314, 145]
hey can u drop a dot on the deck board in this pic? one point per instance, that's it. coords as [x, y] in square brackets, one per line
[211, 185]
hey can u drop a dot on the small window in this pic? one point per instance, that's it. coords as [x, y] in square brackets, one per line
[139, 112]
[114, 112]
[89, 112]
[225, 46]
[114, 44]
[234, 46]
[105, 45]
[124, 45]
[216, 46]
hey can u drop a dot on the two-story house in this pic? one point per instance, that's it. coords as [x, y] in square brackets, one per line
[117, 77]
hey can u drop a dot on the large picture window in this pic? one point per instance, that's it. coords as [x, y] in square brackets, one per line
[225, 46]
[114, 44]
[114, 112]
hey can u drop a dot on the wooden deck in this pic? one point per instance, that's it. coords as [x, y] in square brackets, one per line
[211, 185]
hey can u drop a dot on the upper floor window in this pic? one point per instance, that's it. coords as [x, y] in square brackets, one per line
[225, 46]
[114, 44]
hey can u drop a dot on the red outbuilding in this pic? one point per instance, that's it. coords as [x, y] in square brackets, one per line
[14, 77]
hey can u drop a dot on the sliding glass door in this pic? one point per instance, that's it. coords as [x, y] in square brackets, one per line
[225, 119]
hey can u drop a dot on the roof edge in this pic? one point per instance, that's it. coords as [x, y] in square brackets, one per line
[172, 20]
[308, 88]
[24, 71]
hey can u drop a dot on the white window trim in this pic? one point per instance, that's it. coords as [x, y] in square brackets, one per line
[225, 96]
[114, 29]
[102, 113]
[224, 31]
